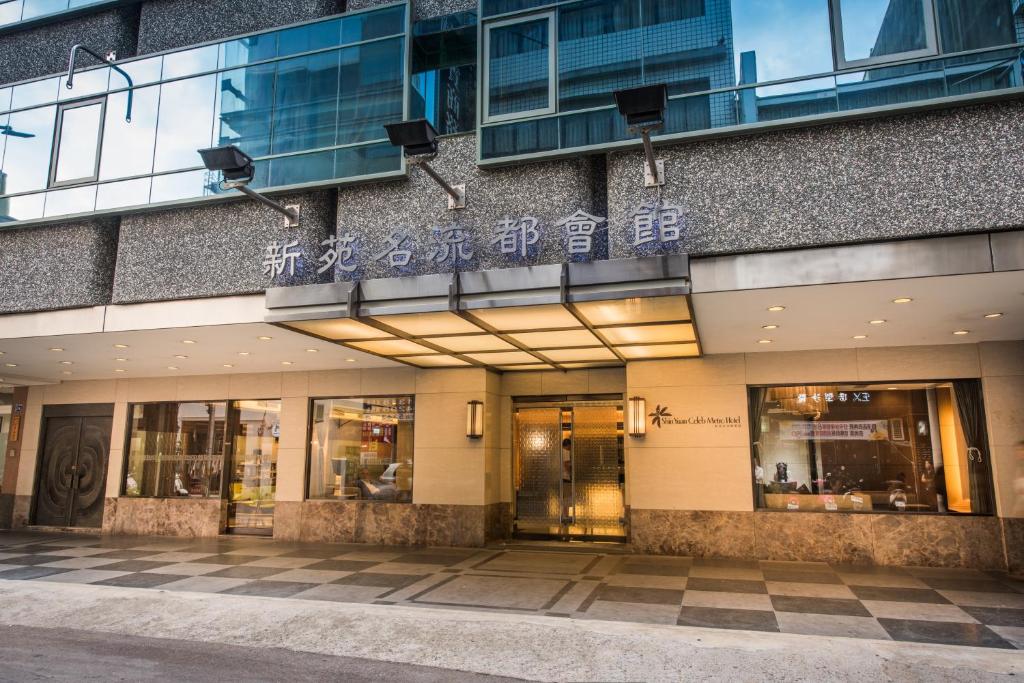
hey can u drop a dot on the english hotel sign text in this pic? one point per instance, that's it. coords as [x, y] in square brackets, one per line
[661, 416]
[653, 227]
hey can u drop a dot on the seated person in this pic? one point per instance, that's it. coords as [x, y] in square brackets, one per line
[374, 489]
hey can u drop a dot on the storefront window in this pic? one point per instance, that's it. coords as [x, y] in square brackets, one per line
[175, 450]
[362, 449]
[899, 447]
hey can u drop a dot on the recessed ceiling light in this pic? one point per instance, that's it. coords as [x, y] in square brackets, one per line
[120, 346]
[764, 341]
[902, 300]
[993, 315]
[65, 372]
[172, 367]
[312, 350]
[877, 322]
[286, 362]
[2, 353]
[350, 360]
[11, 365]
[181, 356]
[188, 341]
[228, 365]
[860, 336]
[120, 370]
[121, 360]
[960, 333]
[769, 327]
[56, 348]
[66, 362]
[264, 338]
[243, 353]
[776, 309]
[892, 388]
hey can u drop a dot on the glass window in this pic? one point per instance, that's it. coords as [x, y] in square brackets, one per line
[78, 142]
[868, 31]
[29, 136]
[900, 447]
[318, 36]
[772, 41]
[38, 8]
[249, 49]
[246, 98]
[600, 50]
[81, 199]
[186, 122]
[974, 24]
[306, 103]
[518, 77]
[252, 477]
[370, 25]
[10, 12]
[128, 147]
[444, 72]
[372, 90]
[362, 449]
[175, 450]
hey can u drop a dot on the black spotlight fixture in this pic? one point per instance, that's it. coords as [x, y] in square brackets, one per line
[238, 170]
[418, 141]
[644, 111]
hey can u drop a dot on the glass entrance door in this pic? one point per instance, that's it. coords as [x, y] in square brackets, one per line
[252, 470]
[569, 470]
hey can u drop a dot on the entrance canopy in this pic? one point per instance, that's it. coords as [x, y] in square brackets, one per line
[561, 317]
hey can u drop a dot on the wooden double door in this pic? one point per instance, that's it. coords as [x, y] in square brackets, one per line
[72, 471]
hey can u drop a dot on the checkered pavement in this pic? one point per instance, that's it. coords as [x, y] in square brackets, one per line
[920, 604]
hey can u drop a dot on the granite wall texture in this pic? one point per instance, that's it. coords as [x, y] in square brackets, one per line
[6, 510]
[923, 540]
[1013, 540]
[421, 9]
[44, 50]
[215, 250]
[167, 24]
[919, 174]
[193, 518]
[417, 207]
[381, 523]
[58, 266]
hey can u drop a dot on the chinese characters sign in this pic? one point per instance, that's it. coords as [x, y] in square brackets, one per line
[509, 241]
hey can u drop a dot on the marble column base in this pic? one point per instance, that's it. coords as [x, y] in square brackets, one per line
[1013, 540]
[188, 517]
[328, 521]
[6, 510]
[939, 541]
[21, 512]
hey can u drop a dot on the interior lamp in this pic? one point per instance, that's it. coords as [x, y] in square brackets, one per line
[636, 419]
[475, 419]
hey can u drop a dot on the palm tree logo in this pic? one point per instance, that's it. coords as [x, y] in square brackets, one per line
[659, 413]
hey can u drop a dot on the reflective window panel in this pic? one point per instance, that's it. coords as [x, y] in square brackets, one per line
[175, 450]
[887, 447]
[519, 78]
[79, 143]
[362, 449]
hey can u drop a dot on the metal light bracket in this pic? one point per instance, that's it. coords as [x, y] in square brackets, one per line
[291, 212]
[456, 193]
[654, 169]
[109, 58]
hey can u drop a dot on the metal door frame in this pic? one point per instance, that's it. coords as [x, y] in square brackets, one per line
[232, 422]
[74, 410]
[563, 402]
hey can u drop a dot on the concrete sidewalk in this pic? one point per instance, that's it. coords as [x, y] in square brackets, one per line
[513, 645]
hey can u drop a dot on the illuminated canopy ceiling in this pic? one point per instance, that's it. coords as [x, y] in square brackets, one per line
[558, 317]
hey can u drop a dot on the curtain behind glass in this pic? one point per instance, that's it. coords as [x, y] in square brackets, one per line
[974, 24]
[970, 407]
[757, 396]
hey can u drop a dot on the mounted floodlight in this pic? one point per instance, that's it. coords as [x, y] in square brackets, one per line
[418, 141]
[644, 110]
[238, 170]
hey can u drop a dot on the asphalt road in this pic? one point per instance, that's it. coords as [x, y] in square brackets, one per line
[35, 654]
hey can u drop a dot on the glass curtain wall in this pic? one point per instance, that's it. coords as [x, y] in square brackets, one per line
[706, 50]
[362, 449]
[308, 103]
[871, 448]
[14, 11]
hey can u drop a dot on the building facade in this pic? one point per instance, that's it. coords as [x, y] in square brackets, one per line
[803, 339]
